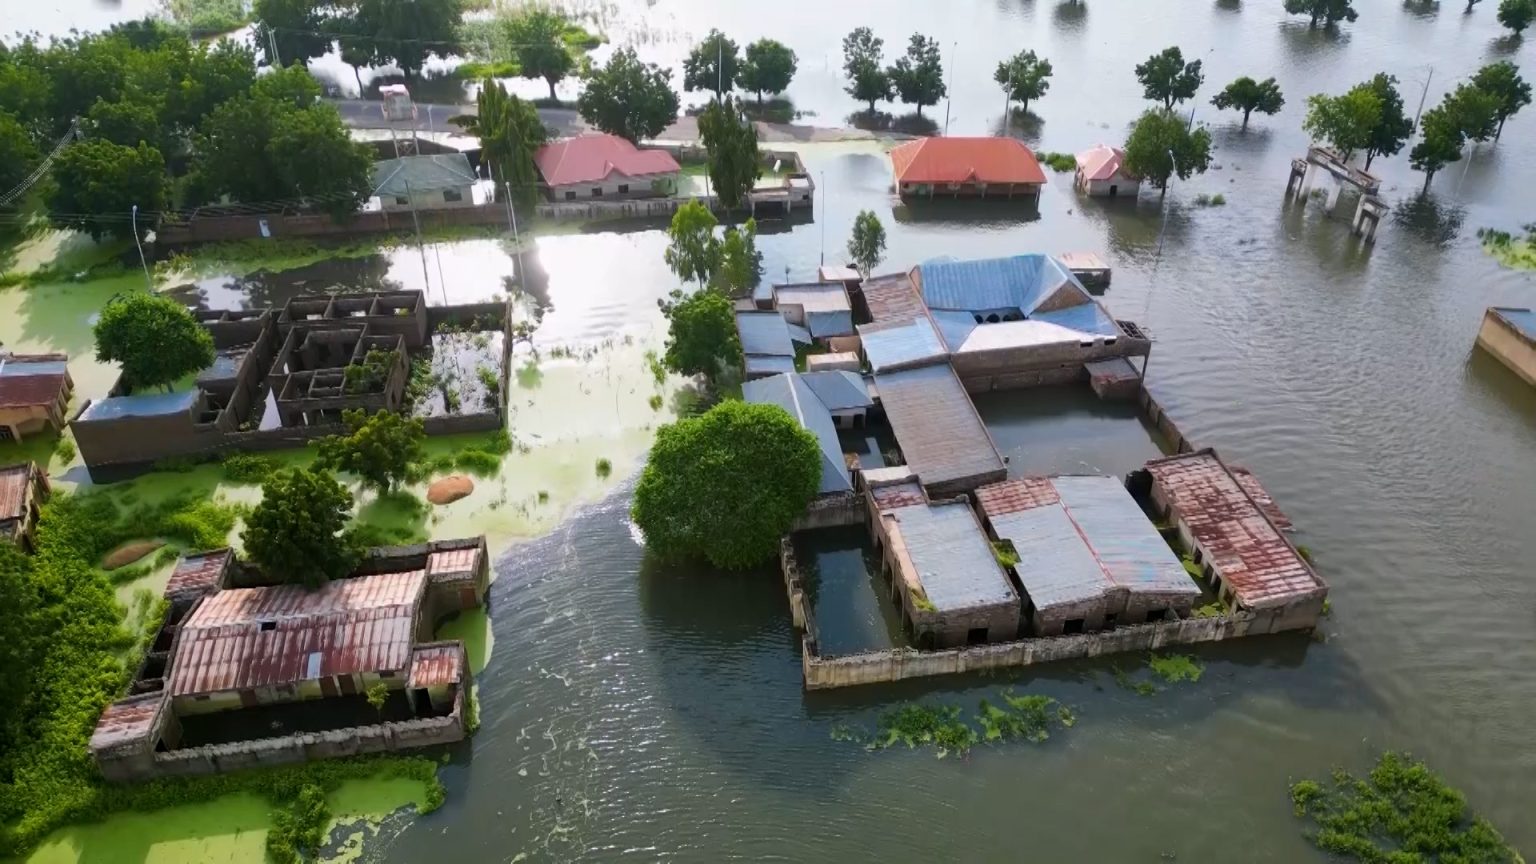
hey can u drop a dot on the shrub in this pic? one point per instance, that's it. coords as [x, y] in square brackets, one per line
[1059, 162]
[65, 449]
[604, 468]
[478, 462]
[248, 468]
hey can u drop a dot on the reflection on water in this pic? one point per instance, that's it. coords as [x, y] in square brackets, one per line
[849, 597]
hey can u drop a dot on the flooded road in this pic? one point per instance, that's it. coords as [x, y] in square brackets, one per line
[632, 711]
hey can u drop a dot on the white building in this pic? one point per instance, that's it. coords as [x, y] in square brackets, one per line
[1101, 173]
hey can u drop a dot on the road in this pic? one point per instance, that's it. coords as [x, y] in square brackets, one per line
[369, 114]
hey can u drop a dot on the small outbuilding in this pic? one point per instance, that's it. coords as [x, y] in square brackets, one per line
[604, 166]
[1101, 173]
[34, 394]
[967, 168]
[438, 182]
[23, 489]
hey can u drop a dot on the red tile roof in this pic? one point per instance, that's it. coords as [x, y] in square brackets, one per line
[1242, 544]
[26, 391]
[590, 158]
[966, 160]
[453, 564]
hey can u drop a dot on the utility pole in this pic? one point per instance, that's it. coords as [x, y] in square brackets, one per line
[142, 263]
[411, 197]
[1007, 100]
[517, 242]
[823, 216]
[1422, 96]
[949, 95]
[272, 40]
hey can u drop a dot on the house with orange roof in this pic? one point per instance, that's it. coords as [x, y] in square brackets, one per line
[1101, 173]
[604, 166]
[967, 168]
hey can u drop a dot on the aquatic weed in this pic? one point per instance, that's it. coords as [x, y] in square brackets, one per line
[604, 468]
[912, 725]
[1176, 667]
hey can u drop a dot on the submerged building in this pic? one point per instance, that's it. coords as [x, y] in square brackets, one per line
[23, 489]
[34, 394]
[1510, 335]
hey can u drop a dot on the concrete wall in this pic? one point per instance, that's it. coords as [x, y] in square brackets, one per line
[1513, 349]
[212, 229]
[431, 199]
[632, 187]
[1021, 191]
[832, 510]
[1035, 365]
[1124, 187]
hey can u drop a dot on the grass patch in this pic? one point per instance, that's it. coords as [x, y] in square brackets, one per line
[1513, 251]
[1204, 200]
[1176, 667]
[1401, 812]
[478, 462]
[1058, 162]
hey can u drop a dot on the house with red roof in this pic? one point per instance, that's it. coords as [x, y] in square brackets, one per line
[34, 394]
[604, 166]
[967, 167]
[1101, 173]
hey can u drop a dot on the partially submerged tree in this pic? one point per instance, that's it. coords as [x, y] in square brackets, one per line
[741, 265]
[1394, 127]
[1162, 146]
[712, 65]
[1475, 111]
[510, 134]
[701, 334]
[769, 68]
[628, 98]
[1344, 122]
[298, 530]
[864, 64]
[730, 140]
[97, 184]
[918, 76]
[1166, 78]
[867, 244]
[726, 485]
[694, 251]
[1247, 95]
[537, 37]
[1327, 11]
[379, 448]
[1440, 146]
[154, 338]
[1502, 81]
[1517, 14]
[1024, 77]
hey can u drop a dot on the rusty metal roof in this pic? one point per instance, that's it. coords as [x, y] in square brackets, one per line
[1241, 543]
[451, 564]
[1013, 496]
[893, 297]
[1251, 485]
[437, 664]
[898, 495]
[256, 637]
[15, 483]
[198, 572]
[128, 721]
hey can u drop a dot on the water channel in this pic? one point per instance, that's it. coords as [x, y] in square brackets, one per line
[634, 711]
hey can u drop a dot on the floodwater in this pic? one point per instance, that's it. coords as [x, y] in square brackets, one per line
[638, 711]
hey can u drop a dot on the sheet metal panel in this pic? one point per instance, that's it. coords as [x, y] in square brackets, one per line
[893, 298]
[199, 571]
[1121, 537]
[792, 394]
[953, 558]
[141, 405]
[436, 665]
[453, 563]
[764, 333]
[1523, 320]
[15, 482]
[1084, 318]
[955, 326]
[894, 346]
[838, 390]
[1055, 565]
[25, 391]
[127, 721]
[936, 425]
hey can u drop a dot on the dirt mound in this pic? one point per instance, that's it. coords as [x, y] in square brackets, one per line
[129, 552]
[450, 489]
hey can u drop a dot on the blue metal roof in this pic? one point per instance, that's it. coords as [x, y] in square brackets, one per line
[830, 323]
[1523, 320]
[1021, 282]
[902, 345]
[838, 390]
[764, 333]
[140, 405]
[1124, 541]
[799, 334]
[11, 366]
[955, 326]
[952, 556]
[759, 366]
[795, 396]
[1084, 318]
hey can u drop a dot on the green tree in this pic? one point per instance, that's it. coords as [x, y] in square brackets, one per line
[1517, 14]
[537, 35]
[769, 68]
[407, 32]
[694, 251]
[1327, 11]
[1024, 77]
[1394, 127]
[317, 160]
[701, 334]
[377, 696]
[298, 26]
[357, 49]
[1344, 122]
[154, 338]
[96, 185]
[1502, 81]
[864, 65]
[1247, 95]
[726, 485]
[712, 65]
[1162, 146]
[298, 531]
[25, 91]
[18, 156]
[18, 648]
[867, 244]
[1166, 78]
[124, 123]
[510, 134]
[380, 448]
[731, 142]
[291, 87]
[741, 265]
[918, 76]
[1440, 146]
[628, 98]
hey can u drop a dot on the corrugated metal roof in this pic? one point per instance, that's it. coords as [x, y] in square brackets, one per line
[436, 665]
[1055, 565]
[1019, 334]
[450, 564]
[128, 721]
[1084, 318]
[760, 367]
[955, 326]
[198, 572]
[893, 297]
[1121, 537]
[792, 394]
[1102, 162]
[838, 390]
[1260, 497]
[15, 486]
[764, 334]
[1523, 320]
[814, 296]
[25, 365]
[20, 389]
[1242, 545]
[936, 425]
[799, 335]
[834, 273]
[140, 405]
[590, 158]
[1022, 282]
[409, 175]
[254, 637]
[891, 346]
[896, 495]
[966, 160]
[952, 557]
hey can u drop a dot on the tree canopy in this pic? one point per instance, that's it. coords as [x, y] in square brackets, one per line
[1344, 122]
[510, 134]
[866, 246]
[731, 142]
[18, 155]
[769, 68]
[97, 184]
[537, 37]
[1024, 77]
[1247, 95]
[741, 265]
[701, 334]
[726, 485]
[379, 448]
[1162, 146]
[1327, 11]
[1475, 111]
[1166, 78]
[864, 64]
[712, 65]
[154, 338]
[298, 530]
[694, 251]
[1440, 146]
[406, 32]
[1517, 14]
[1502, 81]
[297, 26]
[628, 98]
[918, 75]
[1394, 127]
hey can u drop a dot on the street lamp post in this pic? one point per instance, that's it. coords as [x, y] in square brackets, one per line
[142, 262]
